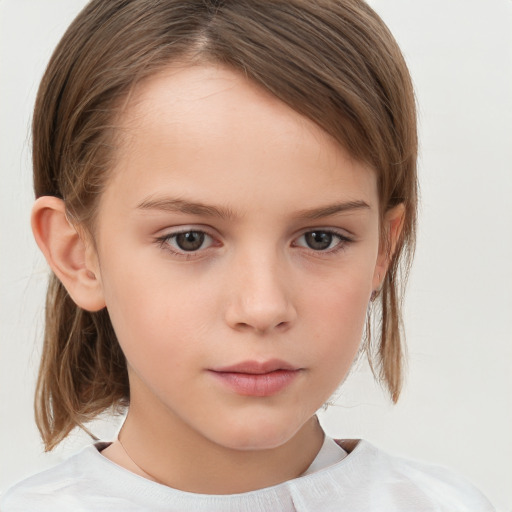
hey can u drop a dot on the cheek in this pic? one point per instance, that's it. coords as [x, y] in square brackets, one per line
[346, 305]
[154, 312]
[338, 314]
[340, 301]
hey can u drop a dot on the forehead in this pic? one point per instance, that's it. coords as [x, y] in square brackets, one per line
[210, 128]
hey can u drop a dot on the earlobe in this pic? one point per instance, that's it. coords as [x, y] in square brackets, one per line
[392, 229]
[66, 252]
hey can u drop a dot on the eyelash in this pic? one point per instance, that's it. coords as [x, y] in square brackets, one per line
[163, 242]
[342, 241]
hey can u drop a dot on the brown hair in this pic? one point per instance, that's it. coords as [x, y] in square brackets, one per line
[333, 61]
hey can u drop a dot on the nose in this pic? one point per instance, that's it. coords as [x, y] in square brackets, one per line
[260, 296]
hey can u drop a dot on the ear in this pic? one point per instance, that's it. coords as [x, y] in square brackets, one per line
[392, 228]
[72, 259]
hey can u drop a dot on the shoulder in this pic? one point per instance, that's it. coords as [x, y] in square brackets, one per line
[406, 484]
[65, 486]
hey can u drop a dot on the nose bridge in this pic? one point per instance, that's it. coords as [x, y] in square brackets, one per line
[260, 291]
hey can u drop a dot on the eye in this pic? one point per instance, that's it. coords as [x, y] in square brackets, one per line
[190, 241]
[322, 240]
[186, 241]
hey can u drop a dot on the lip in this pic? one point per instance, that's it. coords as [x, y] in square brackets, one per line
[255, 378]
[256, 367]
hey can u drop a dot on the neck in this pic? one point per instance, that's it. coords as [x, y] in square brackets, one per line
[167, 451]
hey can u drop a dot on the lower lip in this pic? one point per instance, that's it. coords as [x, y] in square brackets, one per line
[251, 384]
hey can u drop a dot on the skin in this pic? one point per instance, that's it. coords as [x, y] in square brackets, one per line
[255, 290]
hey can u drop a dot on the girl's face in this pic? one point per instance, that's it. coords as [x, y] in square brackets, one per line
[237, 249]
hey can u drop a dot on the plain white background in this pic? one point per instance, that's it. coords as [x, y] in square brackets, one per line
[457, 406]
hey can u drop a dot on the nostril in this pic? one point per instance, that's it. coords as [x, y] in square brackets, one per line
[243, 326]
[262, 308]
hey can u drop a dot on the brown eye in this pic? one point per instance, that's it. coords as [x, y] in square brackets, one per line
[318, 240]
[323, 240]
[190, 240]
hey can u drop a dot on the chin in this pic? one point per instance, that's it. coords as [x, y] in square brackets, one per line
[256, 435]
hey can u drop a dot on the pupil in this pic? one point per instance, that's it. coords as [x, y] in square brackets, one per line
[190, 241]
[318, 240]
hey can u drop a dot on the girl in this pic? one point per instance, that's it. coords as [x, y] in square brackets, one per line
[226, 192]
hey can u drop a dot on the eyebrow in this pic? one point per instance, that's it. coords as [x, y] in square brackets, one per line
[175, 205]
[332, 209]
[182, 206]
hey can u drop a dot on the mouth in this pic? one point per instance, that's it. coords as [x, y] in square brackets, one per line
[258, 379]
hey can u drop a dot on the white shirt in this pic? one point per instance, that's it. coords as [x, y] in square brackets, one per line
[365, 479]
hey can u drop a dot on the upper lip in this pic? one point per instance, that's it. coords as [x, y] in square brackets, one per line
[256, 367]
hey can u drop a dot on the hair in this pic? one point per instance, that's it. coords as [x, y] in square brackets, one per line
[333, 61]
